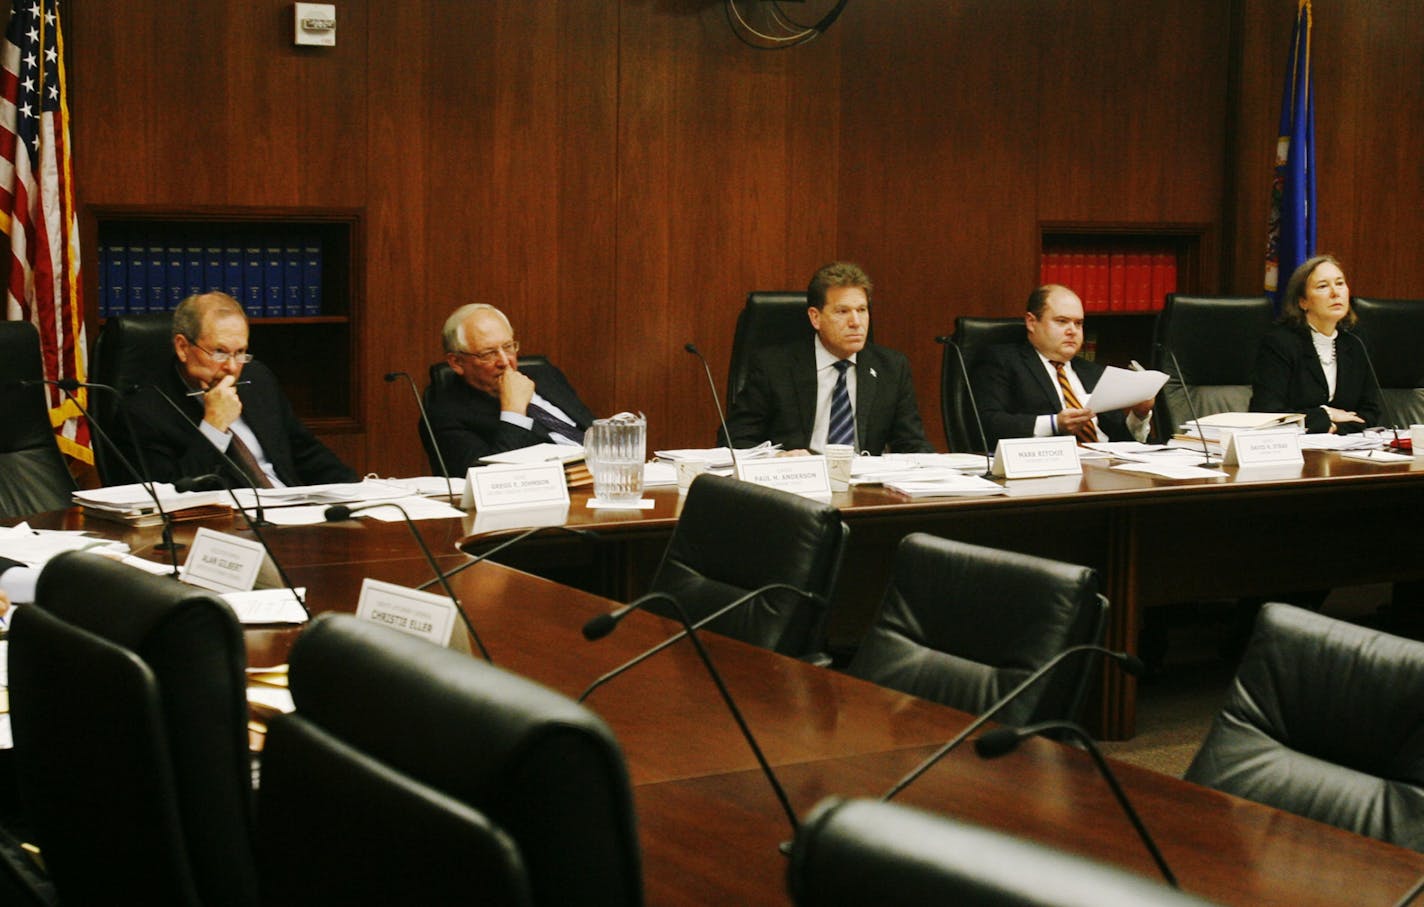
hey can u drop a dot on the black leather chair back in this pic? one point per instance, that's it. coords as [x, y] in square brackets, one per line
[1215, 338]
[542, 768]
[849, 853]
[1393, 332]
[442, 380]
[33, 474]
[769, 318]
[129, 710]
[338, 826]
[1324, 721]
[962, 625]
[733, 537]
[131, 350]
[972, 335]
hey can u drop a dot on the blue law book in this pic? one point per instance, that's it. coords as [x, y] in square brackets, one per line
[157, 278]
[292, 300]
[311, 280]
[252, 281]
[273, 293]
[177, 276]
[195, 279]
[137, 255]
[214, 261]
[103, 281]
[234, 273]
[118, 268]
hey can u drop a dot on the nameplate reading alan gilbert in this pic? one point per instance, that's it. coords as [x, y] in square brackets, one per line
[1033, 458]
[1271, 447]
[510, 487]
[423, 614]
[798, 475]
[222, 562]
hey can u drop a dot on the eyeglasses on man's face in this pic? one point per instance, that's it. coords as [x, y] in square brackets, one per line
[221, 356]
[510, 349]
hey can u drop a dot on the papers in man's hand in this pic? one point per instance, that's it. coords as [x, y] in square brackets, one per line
[267, 606]
[1119, 388]
[946, 485]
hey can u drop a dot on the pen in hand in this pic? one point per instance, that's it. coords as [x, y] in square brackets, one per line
[200, 393]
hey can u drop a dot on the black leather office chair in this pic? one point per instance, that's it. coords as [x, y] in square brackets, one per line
[972, 335]
[340, 826]
[733, 537]
[849, 853]
[1215, 339]
[1393, 332]
[769, 318]
[1324, 721]
[130, 351]
[33, 474]
[962, 625]
[541, 768]
[442, 380]
[129, 711]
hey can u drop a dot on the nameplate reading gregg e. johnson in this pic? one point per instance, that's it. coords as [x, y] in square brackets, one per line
[1031, 458]
[222, 562]
[423, 614]
[1271, 447]
[798, 475]
[508, 487]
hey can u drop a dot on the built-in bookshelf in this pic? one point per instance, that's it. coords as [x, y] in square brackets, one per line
[293, 270]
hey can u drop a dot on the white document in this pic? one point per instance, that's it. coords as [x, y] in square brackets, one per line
[267, 606]
[948, 486]
[537, 453]
[1119, 388]
[1171, 471]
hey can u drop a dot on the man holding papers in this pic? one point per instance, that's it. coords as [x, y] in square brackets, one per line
[1036, 388]
[496, 406]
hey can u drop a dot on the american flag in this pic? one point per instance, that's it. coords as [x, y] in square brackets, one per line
[37, 205]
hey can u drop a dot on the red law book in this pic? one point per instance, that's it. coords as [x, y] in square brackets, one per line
[1117, 282]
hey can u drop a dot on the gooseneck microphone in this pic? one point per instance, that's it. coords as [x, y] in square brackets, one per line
[1130, 663]
[605, 627]
[229, 461]
[1374, 376]
[425, 424]
[721, 417]
[973, 406]
[600, 626]
[1192, 407]
[69, 386]
[1410, 895]
[339, 512]
[212, 481]
[1005, 739]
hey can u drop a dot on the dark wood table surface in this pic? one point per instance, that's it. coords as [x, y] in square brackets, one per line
[709, 825]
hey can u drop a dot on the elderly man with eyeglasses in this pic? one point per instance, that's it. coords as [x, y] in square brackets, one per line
[216, 400]
[495, 405]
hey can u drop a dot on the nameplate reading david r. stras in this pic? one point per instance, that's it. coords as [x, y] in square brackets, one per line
[423, 614]
[509, 487]
[799, 475]
[222, 562]
[1273, 447]
[1032, 458]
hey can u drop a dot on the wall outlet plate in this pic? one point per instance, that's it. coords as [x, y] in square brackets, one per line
[315, 24]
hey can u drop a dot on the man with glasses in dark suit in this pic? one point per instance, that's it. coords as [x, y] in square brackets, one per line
[495, 404]
[221, 401]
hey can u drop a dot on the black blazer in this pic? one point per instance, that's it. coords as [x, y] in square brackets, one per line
[174, 448]
[778, 402]
[1288, 379]
[466, 421]
[1013, 390]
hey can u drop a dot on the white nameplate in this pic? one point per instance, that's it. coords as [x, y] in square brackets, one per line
[423, 614]
[496, 487]
[799, 475]
[222, 562]
[1032, 458]
[1264, 448]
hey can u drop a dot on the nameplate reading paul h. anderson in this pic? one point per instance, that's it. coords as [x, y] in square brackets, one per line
[423, 614]
[1032, 458]
[510, 487]
[222, 562]
[798, 475]
[1271, 447]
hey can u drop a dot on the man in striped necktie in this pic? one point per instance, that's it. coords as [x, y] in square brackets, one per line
[1037, 388]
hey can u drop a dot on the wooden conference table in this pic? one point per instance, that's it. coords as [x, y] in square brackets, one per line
[709, 826]
[1267, 531]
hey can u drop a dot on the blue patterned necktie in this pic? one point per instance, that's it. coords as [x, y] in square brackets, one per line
[842, 421]
[553, 423]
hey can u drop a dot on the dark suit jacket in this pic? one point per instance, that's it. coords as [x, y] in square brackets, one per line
[1288, 379]
[1013, 390]
[466, 421]
[778, 402]
[174, 448]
